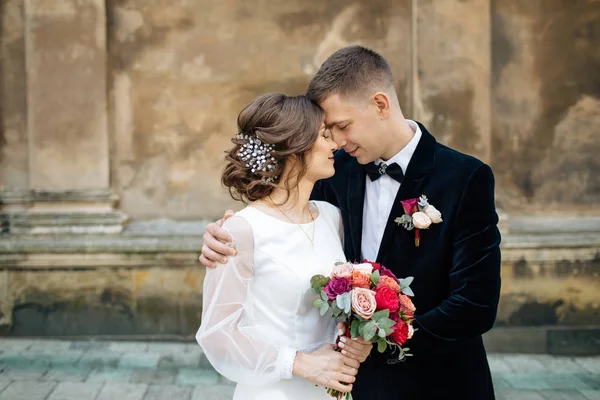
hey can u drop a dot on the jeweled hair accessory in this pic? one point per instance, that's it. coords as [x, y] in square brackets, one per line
[257, 156]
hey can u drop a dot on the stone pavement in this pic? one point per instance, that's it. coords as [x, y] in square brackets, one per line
[100, 370]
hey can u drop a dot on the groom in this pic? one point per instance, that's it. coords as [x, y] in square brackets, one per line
[455, 263]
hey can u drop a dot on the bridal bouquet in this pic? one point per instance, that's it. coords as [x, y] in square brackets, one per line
[370, 301]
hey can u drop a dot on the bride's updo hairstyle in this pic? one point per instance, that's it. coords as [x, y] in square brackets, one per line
[272, 129]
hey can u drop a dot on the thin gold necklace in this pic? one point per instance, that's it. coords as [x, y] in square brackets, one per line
[312, 240]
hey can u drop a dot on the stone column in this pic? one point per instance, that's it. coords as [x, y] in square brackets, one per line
[13, 99]
[452, 68]
[66, 87]
[67, 136]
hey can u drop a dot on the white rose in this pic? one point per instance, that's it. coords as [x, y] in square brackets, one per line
[411, 331]
[365, 268]
[433, 214]
[421, 220]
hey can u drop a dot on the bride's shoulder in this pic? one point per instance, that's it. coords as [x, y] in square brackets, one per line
[239, 227]
[327, 209]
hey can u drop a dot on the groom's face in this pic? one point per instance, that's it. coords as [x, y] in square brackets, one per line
[355, 126]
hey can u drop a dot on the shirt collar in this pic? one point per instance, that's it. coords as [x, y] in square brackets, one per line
[402, 158]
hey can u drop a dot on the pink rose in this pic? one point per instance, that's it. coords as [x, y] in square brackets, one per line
[363, 302]
[343, 271]
[406, 304]
[337, 286]
[421, 220]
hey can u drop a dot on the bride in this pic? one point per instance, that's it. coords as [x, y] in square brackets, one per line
[259, 327]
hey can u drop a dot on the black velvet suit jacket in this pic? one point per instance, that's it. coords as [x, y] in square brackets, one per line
[456, 270]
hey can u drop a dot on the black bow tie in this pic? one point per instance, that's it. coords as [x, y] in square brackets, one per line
[393, 170]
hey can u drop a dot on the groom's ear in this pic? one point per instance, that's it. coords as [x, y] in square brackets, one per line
[382, 104]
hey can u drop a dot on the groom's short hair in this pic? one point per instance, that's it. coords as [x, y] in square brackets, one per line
[352, 71]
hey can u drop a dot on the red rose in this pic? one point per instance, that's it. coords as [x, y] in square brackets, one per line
[386, 299]
[400, 334]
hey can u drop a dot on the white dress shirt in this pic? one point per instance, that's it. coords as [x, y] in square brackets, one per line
[379, 196]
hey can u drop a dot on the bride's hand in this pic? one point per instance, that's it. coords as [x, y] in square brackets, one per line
[328, 368]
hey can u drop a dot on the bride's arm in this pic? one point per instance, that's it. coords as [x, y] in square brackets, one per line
[232, 342]
[244, 351]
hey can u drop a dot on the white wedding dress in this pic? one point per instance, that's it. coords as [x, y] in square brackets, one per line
[257, 309]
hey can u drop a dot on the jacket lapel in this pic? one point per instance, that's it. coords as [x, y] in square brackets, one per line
[419, 167]
[356, 202]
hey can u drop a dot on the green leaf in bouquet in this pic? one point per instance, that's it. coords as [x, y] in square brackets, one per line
[381, 333]
[405, 285]
[354, 329]
[318, 281]
[335, 309]
[380, 314]
[324, 296]
[370, 330]
[381, 345]
[318, 303]
[385, 323]
[361, 328]
[375, 277]
[324, 309]
[346, 300]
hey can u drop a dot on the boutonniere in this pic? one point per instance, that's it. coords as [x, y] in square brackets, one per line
[419, 214]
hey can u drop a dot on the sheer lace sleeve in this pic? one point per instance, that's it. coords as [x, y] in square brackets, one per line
[234, 344]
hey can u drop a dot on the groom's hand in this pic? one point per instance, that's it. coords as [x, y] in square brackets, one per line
[215, 240]
[357, 349]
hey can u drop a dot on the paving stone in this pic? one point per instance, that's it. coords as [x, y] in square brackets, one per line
[563, 365]
[518, 395]
[591, 394]
[100, 359]
[15, 344]
[520, 363]
[130, 347]
[565, 381]
[527, 381]
[3, 385]
[47, 358]
[562, 395]
[178, 360]
[197, 377]
[110, 374]
[592, 380]
[123, 391]
[500, 382]
[27, 391]
[14, 358]
[75, 391]
[499, 366]
[67, 373]
[139, 360]
[153, 376]
[217, 392]
[29, 373]
[592, 364]
[169, 392]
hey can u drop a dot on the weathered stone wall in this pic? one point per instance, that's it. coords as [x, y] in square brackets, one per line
[139, 99]
[546, 104]
[180, 75]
